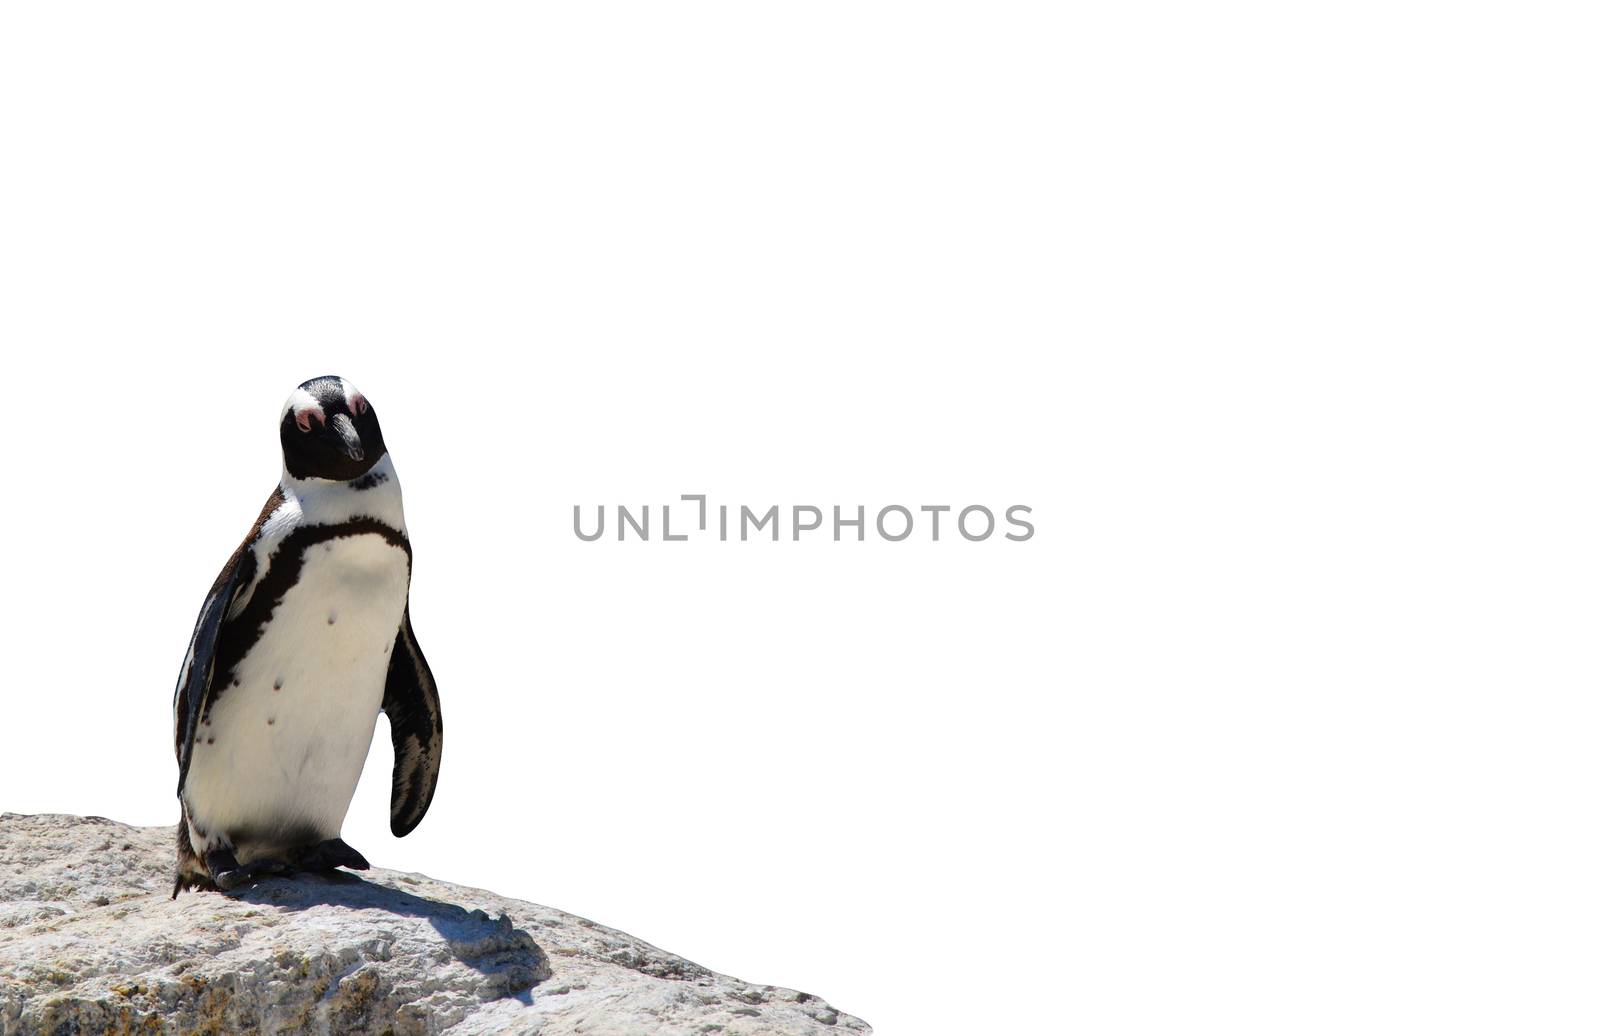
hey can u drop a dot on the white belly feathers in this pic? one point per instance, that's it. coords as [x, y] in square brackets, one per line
[284, 749]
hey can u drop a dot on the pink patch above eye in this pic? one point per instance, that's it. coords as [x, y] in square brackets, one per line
[303, 418]
[358, 404]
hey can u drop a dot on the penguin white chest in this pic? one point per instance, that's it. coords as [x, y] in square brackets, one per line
[287, 739]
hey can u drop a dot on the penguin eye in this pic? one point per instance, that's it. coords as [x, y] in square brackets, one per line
[304, 419]
[358, 404]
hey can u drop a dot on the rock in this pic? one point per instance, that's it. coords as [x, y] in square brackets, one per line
[91, 942]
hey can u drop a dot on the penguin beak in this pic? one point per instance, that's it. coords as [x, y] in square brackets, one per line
[349, 439]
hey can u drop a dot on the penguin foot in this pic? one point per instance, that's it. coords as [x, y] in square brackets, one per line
[229, 875]
[326, 856]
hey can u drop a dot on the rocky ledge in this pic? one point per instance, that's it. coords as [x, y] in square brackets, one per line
[90, 942]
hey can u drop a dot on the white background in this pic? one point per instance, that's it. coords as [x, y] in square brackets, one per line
[1281, 317]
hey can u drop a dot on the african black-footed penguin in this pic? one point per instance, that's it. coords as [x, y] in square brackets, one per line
[303, 639]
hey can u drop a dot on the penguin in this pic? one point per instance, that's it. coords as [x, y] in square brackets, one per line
[304, 638]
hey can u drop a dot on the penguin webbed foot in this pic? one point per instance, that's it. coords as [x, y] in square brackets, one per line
[227, 872]
[330, 855]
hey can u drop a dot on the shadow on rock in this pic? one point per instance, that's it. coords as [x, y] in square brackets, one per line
[508, 958]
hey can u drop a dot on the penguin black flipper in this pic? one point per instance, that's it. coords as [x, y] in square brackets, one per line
[411, 702]
[193, 696]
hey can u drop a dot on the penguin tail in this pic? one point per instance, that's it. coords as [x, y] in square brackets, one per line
[190, 871]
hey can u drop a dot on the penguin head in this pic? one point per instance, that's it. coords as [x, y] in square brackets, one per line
[329, 431]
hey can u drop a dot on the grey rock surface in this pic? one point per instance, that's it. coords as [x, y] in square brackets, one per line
[90, 942]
